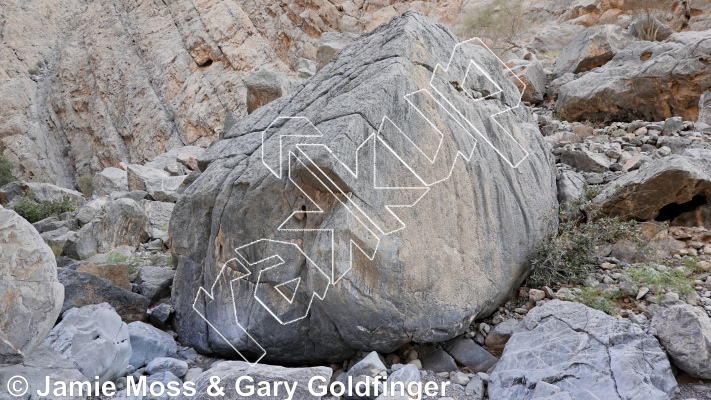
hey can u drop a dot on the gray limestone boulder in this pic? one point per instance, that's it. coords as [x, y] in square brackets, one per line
[455, 255]
[685, 333]
[109, 180]
[31, 296]
[118, 223]
[149, 343]
[330, 45]
[44, 362]
[95, 339]
[230, 371]
[585, 354]
[83, 288]
[265, 86]
[592, 48]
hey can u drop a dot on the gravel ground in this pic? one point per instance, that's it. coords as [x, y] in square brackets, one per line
[690, 388]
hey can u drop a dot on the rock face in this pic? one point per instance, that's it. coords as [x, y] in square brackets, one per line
[83, 288]
[42, 363]
[586, 353]
[230, 371]
[31, 294]
[426, 281]
[95, 339]
[592, 48]
[647, 80]
[658, 190]
[685, 332]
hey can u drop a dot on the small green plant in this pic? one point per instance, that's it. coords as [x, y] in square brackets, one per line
[116, 258]
[6, 168]
[30, 209]
[598, 299]
[569, 256]
[661, 278]
[547, 55]
[57, 249]
[85, 183]
[618, 133]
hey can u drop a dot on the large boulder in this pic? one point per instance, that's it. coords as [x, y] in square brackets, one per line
[330, 45]
[265, 86]
[83, 288]
[554, 38]
[44, 362]
[462, 249]
[685, 333]
[230, 371]
[31, 294]
[660, 190]
[11, 193]
[591, 48]
[531, 79]
[650, 81]
[586, 353]
[95, 339]
[118, 223]
[149, 343]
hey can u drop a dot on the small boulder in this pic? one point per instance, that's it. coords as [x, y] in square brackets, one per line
[330, 45]
[149, 343]
[497, 338]
[585, 161]
[114, 273]
[685, 333]
[155, 282]
[161, 364]
[109, 180]
[95, 339]
[438, 361]
[466, 352]
[265, 86]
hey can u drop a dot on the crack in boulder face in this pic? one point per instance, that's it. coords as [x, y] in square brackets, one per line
[466, 244]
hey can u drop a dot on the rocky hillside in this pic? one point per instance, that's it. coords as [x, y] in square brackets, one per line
[352, 192]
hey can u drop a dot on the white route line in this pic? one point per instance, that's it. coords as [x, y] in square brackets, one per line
[349, 204]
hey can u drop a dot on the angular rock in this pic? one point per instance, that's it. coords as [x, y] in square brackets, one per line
[644, 194]
[95, 339]
[58, 238]
[497, 338]
[466, 352]
[330, 45]
[305, 68]
[554, 38]
[160, 315]
[164, 377]
[230, 371]
[475, 388]
[109, 180]
[531, 81]
[43, 362]
[43, 192]
[89, 210]
[585, 161]
[570, 187]
[83, 288]
[31, 296]
[161, 364]
[584, 352]
[149, 343]
[158, 183]
[177, 161]
[364, 367]
[591, 48]
[158, 213]
[155, 282]
[438, 361]
[233, 205]
[119, 223]
[685, 333]
[265, 86]
[642, 82]
[114, 273]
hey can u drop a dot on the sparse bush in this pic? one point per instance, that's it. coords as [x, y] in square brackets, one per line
[569, 256]
[598, 299]
[33, 211]
[6, 168]
[85, 183]
[651, 15]
[658, 278]
[501, 22]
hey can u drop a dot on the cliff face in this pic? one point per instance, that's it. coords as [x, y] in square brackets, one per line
[87, 85]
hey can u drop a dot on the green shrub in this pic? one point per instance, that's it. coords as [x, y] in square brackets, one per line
[34, 211]
[85, 183]
[657, 278]
[6, 168]
[569, 256]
